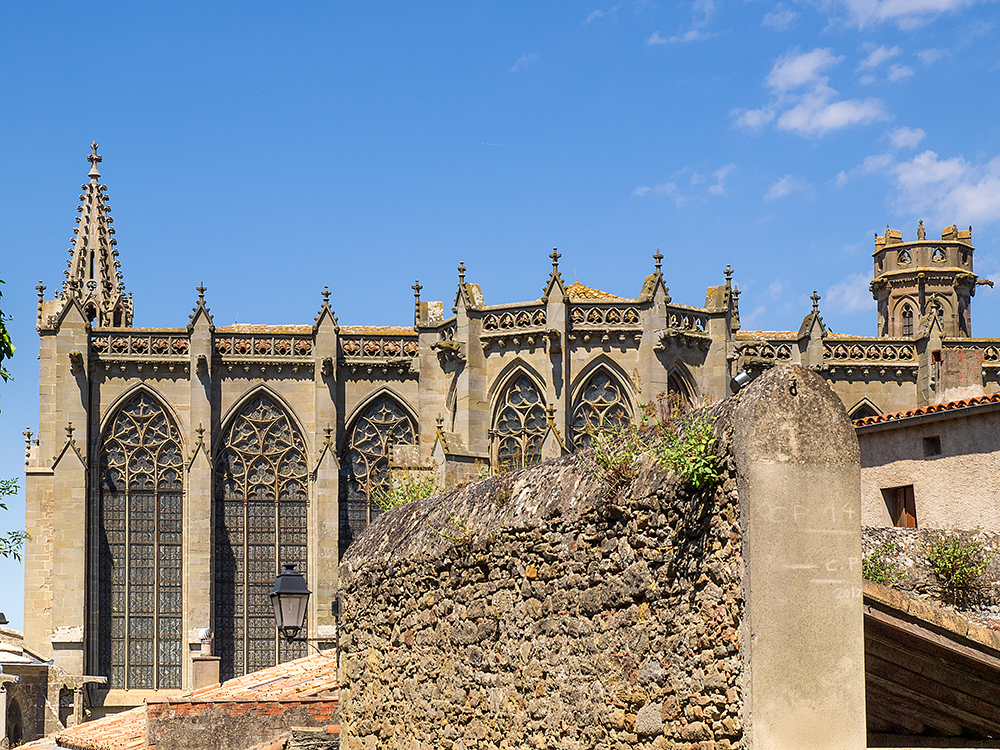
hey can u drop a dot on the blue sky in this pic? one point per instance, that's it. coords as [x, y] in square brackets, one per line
[268, 150]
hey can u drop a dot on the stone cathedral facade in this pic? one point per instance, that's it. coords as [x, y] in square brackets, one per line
[175, 468]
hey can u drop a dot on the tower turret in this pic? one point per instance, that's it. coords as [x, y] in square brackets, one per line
[94, 275]
[917, 281]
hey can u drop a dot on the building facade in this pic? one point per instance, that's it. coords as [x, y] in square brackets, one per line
[175, 468]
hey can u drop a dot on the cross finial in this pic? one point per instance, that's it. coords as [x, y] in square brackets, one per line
[69, 431]
[658, 257]
[729, 273]
[326, 295]
[201, 291]
[461, 272]
[815, 298]
[555, 259]
[440, 423]
[416, 289]
[27, 435]
[94, 156]
[328, 431]
[40, 289]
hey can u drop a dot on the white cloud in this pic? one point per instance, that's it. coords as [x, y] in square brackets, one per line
[849, 296]
[641, 191]
[948, 190]
[796, 69]
[907, 14]
[656, 39]
[815, 111]
[877, 57]
[786, 186]
[523, 62]
[871, 165]
[899, 72]
[701, 16]
[906, 137]
[719, 188]
[596, 14]
[668, 189]
[781, 19]
[930, 56]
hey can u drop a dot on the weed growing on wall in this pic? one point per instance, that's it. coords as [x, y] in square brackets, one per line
[616, 454]
[878, 567]
[958, 561]
[404, 490]
[689, 451]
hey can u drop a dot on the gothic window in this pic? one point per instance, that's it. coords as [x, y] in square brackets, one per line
[367, 452]
[907, 320]
[903, 258]
[519, 425]
[600, 404]
[675, 384]
[260, 523]
[938, 256]
[140, 520]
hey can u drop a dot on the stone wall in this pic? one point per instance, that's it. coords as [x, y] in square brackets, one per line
[541, 610]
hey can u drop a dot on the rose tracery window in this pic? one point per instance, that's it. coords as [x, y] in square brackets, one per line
[140, 521]
[519, 425]
[365, 465]
[260, 523]
[600, 404]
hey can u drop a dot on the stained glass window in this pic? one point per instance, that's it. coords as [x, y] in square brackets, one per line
[139, 596]
[365, 465]
[519, 425]
[600, 404]
[907, 320]
[260, 523]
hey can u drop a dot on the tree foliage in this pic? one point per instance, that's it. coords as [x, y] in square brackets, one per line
[11, 542]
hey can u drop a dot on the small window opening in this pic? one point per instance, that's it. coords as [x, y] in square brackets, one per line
[903, 258]
[91, 313]
[907, 320]
[901, 505]
[91, 264]
[936, 355]
[932, 446]
[939, 256]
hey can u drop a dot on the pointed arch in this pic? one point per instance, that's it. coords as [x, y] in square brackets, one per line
[519, 419]
[602, 398]
[381, 422]
[261, 491]
[279, 401]
[139, 530]
[681, 382]
[903, 314]
[864, 408]
[504, 376]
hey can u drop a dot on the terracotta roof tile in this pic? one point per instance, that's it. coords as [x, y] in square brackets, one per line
[949, 406]
[766, 335]
[255, 328]
[313, 676]
[381, 330]
[576, 290]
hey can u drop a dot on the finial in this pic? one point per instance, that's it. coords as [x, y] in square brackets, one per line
[201, 288]
[326, 295]
[555, 259]
[729, 273]
[328, 431]
[815, 298]
[921, 232]
[200, 431]
[416, 289]
[94, 158]
[69, 431]
[440, 423]
[27, 435]
[461, 272]
[658, 257]
[41, 290]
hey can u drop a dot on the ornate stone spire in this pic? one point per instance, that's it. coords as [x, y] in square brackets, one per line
[658, 257]
[94, 276]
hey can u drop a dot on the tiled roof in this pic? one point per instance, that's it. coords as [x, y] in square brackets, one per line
[313, 676]
[576, 290]
[382, 330]
[936, 408]
[255, 328]
[766, 335]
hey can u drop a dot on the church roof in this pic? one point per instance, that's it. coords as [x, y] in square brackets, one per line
[381, 330]
[576, 290]
[256, 328]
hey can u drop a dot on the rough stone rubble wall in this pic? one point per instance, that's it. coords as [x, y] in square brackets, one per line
[560, 618]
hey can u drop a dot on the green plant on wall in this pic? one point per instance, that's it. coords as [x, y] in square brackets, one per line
[689, 451]
[958, 561]
[404, 490]
[879, 567]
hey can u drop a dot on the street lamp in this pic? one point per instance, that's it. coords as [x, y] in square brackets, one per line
[289, 599]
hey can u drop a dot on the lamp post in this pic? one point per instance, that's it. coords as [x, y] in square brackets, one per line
[290, 598]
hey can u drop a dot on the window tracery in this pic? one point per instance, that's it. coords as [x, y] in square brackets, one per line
[260, 522]
[907, 320]
[365, 465]
[675, 384]
[519, 425]
[599, 404]
[140, 524]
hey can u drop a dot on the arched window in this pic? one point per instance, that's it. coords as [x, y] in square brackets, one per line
[907, 320]
[864, 410]
[599, 404]
[15, 725]
[676, 385]
[367, 451]
[519, 425]
[139, 527]
[260, 523]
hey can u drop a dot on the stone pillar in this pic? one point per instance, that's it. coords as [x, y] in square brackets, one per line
[802, 636]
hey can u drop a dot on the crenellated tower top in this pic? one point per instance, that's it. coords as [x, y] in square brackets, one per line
[94, 275]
